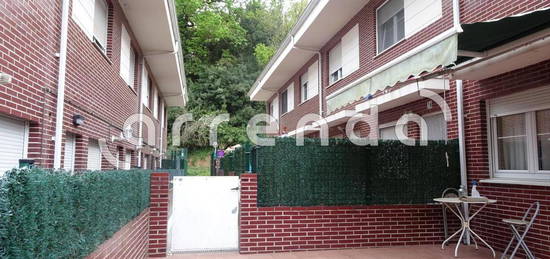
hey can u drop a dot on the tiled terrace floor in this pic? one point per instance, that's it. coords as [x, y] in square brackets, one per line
[409, 252]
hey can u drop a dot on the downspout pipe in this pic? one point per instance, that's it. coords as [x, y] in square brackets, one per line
[456, 16]
[461, 135]
[61, 84]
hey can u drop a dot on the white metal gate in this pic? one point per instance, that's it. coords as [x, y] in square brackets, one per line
[205, 213]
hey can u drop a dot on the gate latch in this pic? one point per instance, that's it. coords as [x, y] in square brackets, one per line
[236, 188]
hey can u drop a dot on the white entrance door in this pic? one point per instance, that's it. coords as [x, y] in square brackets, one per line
[205, 213]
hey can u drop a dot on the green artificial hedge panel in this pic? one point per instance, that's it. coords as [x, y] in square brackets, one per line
[345, 174]
[46, 214]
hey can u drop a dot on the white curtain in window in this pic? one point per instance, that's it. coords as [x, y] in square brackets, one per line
[101, 16]
[313, 80]
[290, 96]
[350, 51]
[390, 19]
[512, 142]
[83, 15]
[125, 50]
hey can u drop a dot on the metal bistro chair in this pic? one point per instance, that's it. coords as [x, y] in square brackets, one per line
[524, 223]
[448, 193]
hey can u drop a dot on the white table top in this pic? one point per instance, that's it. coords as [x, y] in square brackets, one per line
[458, 200]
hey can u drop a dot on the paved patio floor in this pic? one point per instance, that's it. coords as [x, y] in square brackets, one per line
[409, 252]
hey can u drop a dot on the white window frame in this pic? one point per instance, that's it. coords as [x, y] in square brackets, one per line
[155, 103]
[127, 58]
[284, 98]
[87, 21]
[378, 51]
[532, 172]
[145, 81]
[411, 29]
[528, 103]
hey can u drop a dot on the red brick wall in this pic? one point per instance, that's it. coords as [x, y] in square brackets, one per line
[29, 39]
[129, 242]
[282, 229]
[158, 222]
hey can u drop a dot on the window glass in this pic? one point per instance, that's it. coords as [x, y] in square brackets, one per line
[512, 142]
[304, 91]
[543, 139]
[391, 24]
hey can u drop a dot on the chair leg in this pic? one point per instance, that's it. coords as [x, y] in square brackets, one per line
[521, 242]
[503, 256]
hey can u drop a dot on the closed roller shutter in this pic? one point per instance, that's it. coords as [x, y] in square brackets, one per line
[68, 162]
[13, 135]
[94, 155]
[128, 160]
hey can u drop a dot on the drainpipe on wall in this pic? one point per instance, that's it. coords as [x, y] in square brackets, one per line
[456, 16]
[61, 84]
[461, 136]
[319, 74]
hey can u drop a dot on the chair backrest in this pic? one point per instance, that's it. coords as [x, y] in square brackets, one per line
[450, 193]
[530, 214]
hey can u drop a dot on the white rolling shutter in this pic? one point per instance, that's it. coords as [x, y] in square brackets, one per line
[437, 127]
[125, 50]
[13, 143]
[275, 108]
[145, 161]
[94, 155]
[350, 51]
[313, 80]
[335, 58]
[290, 97]
[83, 15]
[155, 103]
[145, 86]
[101, 14]
[128, 160]
[421, 13]
[70, 144]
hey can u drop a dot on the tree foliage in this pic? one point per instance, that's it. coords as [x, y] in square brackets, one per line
[226, 43]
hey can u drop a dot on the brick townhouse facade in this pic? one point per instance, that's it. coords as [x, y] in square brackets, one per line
[96, 63]
[488, 60]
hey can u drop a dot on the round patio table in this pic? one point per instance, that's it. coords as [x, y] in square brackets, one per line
[454, 205]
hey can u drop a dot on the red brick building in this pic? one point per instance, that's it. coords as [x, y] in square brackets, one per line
[488, 60]
[74, 71]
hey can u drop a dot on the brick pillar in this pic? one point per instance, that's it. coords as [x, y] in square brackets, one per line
[158, 217]
[248, 216]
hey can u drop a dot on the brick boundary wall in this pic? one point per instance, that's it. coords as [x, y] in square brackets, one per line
[158, 220]
[283, 229]
[129, 242]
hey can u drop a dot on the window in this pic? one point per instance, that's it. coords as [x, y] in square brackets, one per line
[127, 58]
[92, 16]
[284, 102]
[344, 57]
[390, 20]
[151, 90]
[128, 160]
[274, 108]
[387, 132]
[304, 88]
[521, 144]
[310, 82]
[145, 83]
[101, 24]
[156, 103]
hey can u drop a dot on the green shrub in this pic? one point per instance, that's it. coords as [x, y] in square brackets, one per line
[46, 214]
[345, 174]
